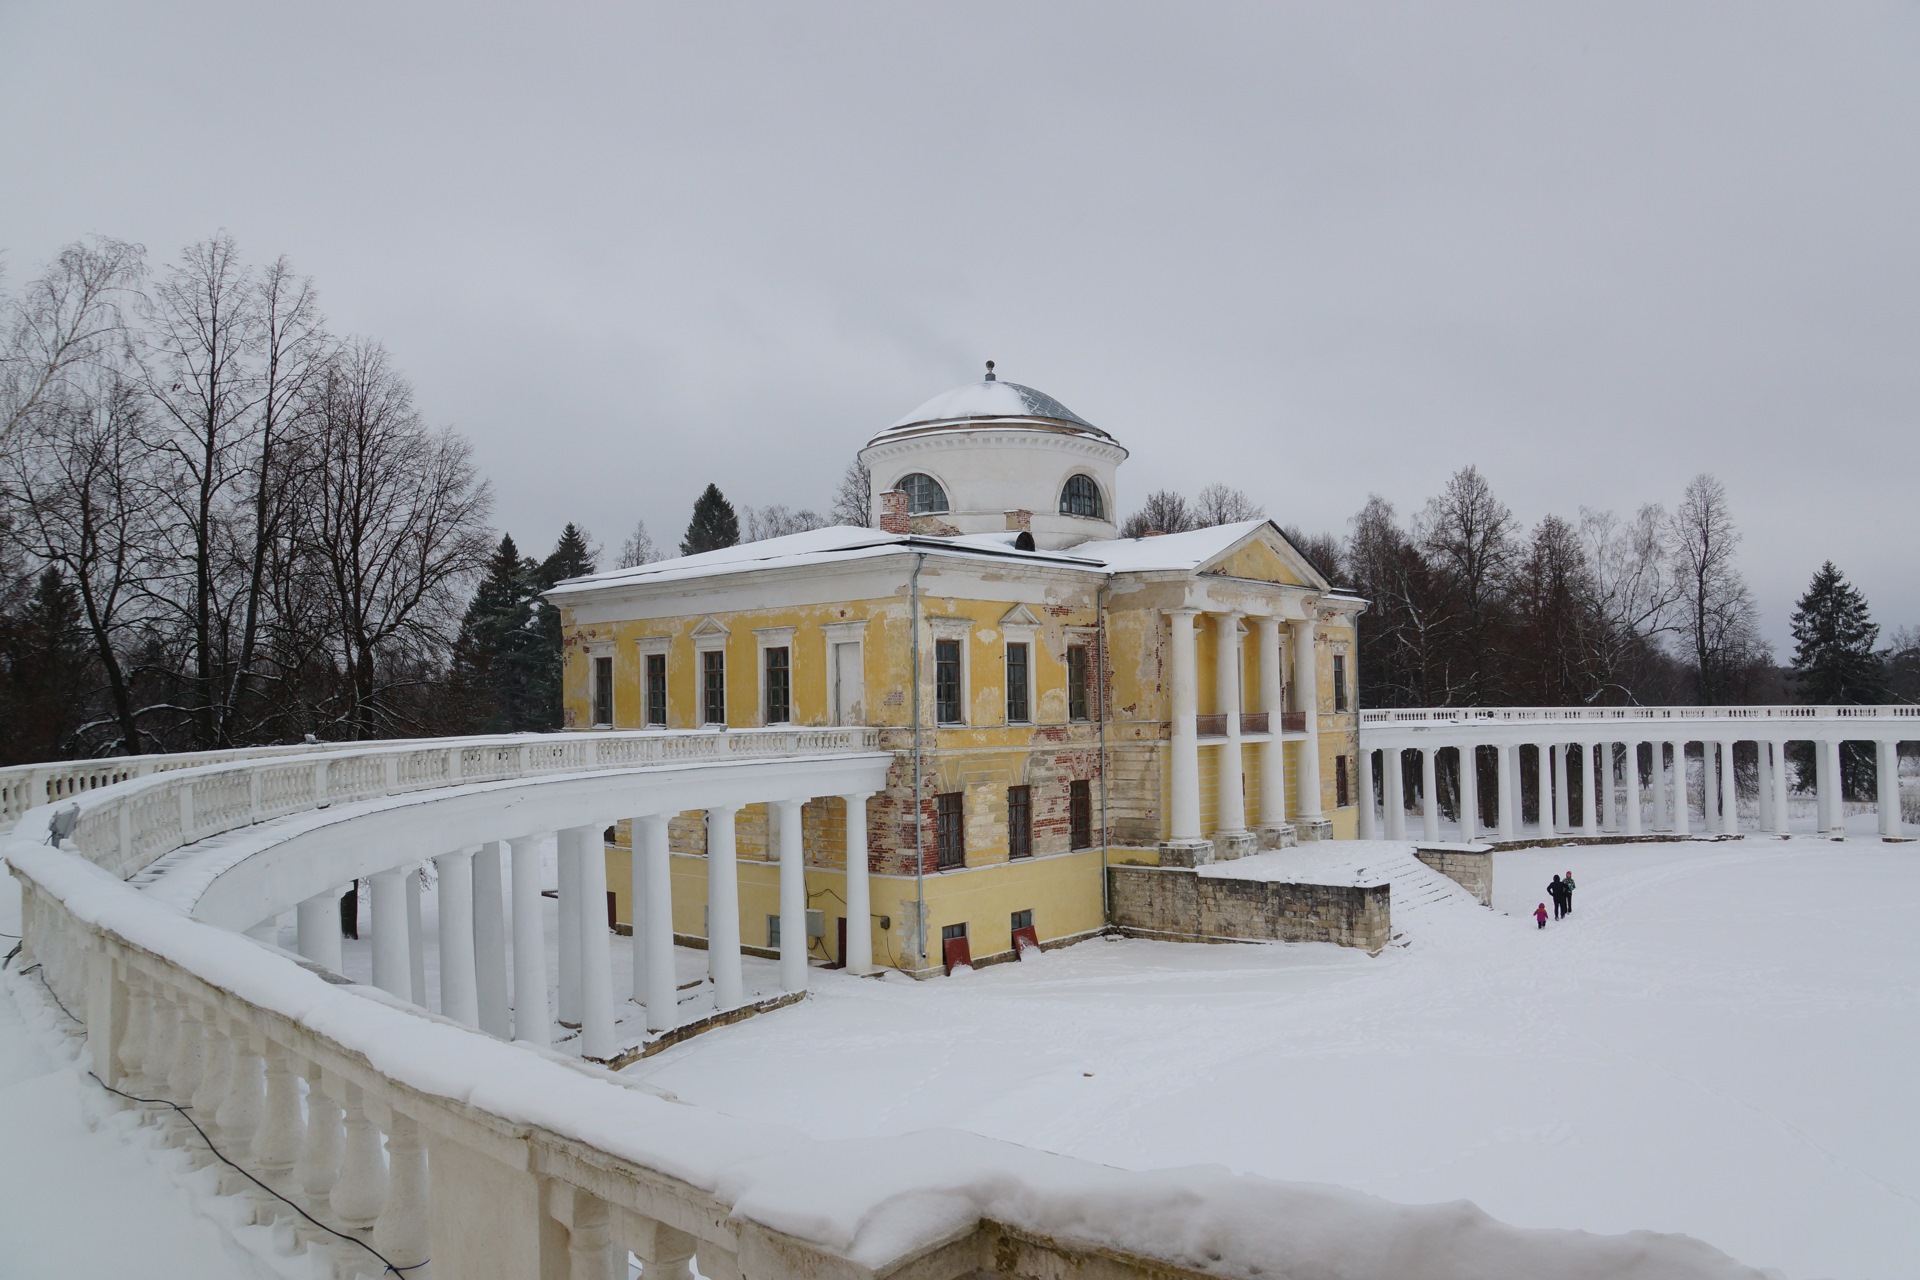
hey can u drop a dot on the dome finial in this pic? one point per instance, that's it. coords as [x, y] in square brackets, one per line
[990, 371]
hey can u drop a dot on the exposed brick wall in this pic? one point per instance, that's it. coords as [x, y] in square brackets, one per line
[1171, 902]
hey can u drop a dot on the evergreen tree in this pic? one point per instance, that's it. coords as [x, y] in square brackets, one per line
[714, 524]
[496, 655]
[572, 557]
[1834, 663]
[46, 673]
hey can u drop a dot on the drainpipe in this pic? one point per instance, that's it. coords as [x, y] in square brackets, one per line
[919, 824]
[1100, 629]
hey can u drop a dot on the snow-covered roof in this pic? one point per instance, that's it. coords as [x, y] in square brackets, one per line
[841, 543]
[991, 399]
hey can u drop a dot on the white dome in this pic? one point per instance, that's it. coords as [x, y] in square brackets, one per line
[991, 400]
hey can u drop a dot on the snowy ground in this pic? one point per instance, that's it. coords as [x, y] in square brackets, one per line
[1718, 1042]
[1721, 1041]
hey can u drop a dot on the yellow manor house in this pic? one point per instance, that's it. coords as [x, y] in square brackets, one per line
[1058, 699]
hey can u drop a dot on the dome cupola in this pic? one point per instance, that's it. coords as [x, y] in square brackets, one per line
[970, 457]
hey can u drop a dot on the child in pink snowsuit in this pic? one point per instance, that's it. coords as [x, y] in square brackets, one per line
[1540, 915]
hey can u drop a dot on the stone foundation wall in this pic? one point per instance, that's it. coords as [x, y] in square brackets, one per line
[1179, 904]
[1471, 871]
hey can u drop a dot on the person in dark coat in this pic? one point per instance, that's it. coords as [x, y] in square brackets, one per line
[1566, 891]
[1557, 892]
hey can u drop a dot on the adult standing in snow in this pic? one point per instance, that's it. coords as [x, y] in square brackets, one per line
[1558, 892]
[1566, 891]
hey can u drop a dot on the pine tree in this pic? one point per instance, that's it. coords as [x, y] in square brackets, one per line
[46, 673]
[572, 557]
[1834, 663]
[714, 525]
[495, 655]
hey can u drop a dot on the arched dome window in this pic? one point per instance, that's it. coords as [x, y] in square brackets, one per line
[924, 494]
[1081, 497]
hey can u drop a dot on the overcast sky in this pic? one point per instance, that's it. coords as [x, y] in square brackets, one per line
[1314, 250]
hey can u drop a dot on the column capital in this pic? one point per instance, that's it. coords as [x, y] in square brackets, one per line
[1184, 611]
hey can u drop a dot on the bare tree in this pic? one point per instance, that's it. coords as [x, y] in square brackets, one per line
[638, 548]
[1223, 504]
[1467, 535]
[776, 521]
[853, 500]
[1635, 589]
[1717, 612]
[1322, 550]
[70, 318]
[394, 515]
[1164, 511]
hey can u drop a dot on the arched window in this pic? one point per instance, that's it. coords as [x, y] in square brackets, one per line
[1081, 497]
[924, 494]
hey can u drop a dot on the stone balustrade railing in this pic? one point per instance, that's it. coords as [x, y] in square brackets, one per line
[1612, 715]
[427, 1147]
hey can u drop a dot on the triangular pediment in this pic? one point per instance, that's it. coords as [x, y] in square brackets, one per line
[710, 626]
[1265, 555]
[1019, 616]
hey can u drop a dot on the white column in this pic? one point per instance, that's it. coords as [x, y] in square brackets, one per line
[654, 863]
[1782, 789]
[490, 943]
[1469, 792]
[1273, 762]
[859, 956]
[1631, 799]
[1682, 818]
[1306, 692]
[567, 921]
[1657, 784]
[1837, 806]
[1368, 827]
[1823, 788]
[1543, 782]
[723, 909]
[1590, 776]
[532, 1019]
[1183, 707]
[1562, 797]
[1230, 813]
[317, 928]
[1394, 771]
[1886, 789]
[596, 957]
[793, 899]
[416, 940]
[1710, 788]
[459, 998]
[1508, 758]
[1429, 797]
[1604, 763]
[392, 967]
[1729, 792]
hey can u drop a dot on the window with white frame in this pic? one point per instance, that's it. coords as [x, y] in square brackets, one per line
[602, 690]
[776, 674]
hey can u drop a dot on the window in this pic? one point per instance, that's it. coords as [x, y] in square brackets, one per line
[952, 933]
[713, 682]
[1080, 814]
[1339, 682]
[924, 494]
[1081, 497]
[1023, 919]
[603, 691]
[1077, 682]
[1017, 708]
[1340, 782]
[773, 932]
[949, 821]
[946, 681]
[657, 689]
[1019, 822]
[779, 686]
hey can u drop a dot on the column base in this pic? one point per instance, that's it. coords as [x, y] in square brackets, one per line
[1312, 829]
[1186, 853]
[1278, 836]
[1229, 845]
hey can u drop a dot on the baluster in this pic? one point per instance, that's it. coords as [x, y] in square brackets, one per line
[189, 1052]
[215, 1072]
[319, 1163]
[590, 1240]
[133, 1037]
[276, 1144]
[671, 1254]
[161, 1025]
[245, 1100]
[401, 1231]
[361, 1187]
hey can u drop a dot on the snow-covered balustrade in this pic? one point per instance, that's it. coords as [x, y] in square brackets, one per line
[427, 1147]
[1628, 765]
